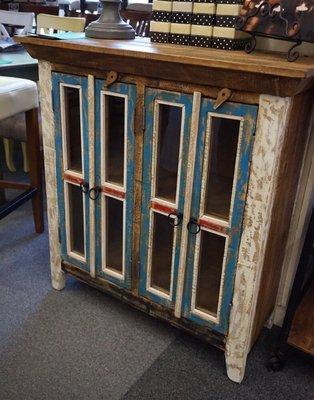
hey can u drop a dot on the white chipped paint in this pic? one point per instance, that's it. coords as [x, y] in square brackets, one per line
[45, 88]
[271, 127]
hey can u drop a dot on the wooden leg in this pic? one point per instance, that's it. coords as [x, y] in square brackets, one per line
[35, 166]
[25, 157]
[8, 151]
[235, 362]
[2, 191]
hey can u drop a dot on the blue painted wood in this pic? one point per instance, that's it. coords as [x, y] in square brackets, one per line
[130, 91]
[248, 113]
[150, 96]
[57, 79]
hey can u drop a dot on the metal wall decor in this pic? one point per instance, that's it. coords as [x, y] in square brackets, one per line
[290, 20]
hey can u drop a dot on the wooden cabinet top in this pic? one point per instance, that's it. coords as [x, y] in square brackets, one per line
[258, 72]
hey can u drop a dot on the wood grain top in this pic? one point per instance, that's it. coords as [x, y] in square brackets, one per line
[142, 49]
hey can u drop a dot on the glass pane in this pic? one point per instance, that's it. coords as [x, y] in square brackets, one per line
[223, 152]
[73, 128]
[76, 219]
[114, 121]
[168, 151]
[209, 271]
[161, 253]
[114, 234]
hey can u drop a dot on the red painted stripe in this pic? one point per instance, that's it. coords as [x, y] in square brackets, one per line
[74, 179]
[162, 207]
[113, 192]
[212, 226]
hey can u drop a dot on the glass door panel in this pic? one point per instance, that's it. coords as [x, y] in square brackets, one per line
[168, 151]
[75, 210]
[208, 274]
[220, 180]
[113, 234]
[71, 98]
[114, 109]
[114, 155]
[71, 125]
[222, 159]
[168, 118]
[162, 253]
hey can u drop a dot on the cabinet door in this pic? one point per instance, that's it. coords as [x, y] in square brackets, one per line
[71, 126]
[166, 143]
[220, 181]
[114, 175]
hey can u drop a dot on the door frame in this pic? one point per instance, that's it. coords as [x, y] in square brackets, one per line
[123, 193]
[152, 204]
[230, 229]
[67, 176]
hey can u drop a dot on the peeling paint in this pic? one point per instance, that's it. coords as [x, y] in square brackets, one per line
[271, 126]
[45, 90]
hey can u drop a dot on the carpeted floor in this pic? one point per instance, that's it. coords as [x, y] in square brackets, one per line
[81, 344]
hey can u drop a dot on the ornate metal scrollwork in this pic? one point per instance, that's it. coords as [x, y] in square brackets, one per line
[288, 19]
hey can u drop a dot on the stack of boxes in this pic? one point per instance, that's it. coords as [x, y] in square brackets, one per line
[161, 21]
[203, 19]
[181, 18]
[224, 34]
[202, 23]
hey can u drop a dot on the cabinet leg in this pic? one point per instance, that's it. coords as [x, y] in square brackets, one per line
[58, 279]
[35, 166]
[235, 365]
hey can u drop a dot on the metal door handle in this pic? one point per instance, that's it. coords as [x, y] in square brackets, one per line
[84, 187]
[94, 192]
[175, 221]
[190, 224]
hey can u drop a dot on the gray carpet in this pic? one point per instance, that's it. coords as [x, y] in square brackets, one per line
[82, 344]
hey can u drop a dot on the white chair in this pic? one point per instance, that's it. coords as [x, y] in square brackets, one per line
[143, 7]
[69, 5]
[18, 19]
[48, 22]
[14, 127]
[20, 96]
[75, 5]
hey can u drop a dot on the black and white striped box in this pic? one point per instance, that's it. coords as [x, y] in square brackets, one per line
[161, 21]
[225, 36]
[203, 18]
[181, 19]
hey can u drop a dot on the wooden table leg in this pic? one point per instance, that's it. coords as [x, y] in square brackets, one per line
[35, 166]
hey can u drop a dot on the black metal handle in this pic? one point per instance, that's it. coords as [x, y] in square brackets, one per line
[84, 187]
[94, 192]
[175, 221]
[190, 224]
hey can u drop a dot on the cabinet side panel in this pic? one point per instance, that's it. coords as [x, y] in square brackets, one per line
[285, 192]
[45, 88]
[303, 205]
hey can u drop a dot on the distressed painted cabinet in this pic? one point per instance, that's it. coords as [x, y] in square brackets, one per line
[165, 197]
